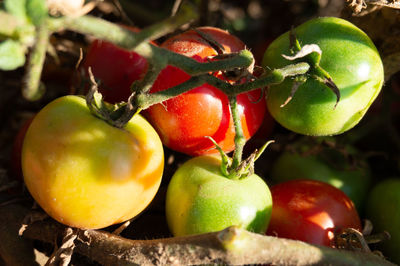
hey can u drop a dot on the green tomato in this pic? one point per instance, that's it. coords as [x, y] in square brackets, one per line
[200, 199]
[354, 181]
[383, 209]
[354, 64]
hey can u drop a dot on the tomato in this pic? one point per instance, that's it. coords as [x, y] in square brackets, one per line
[199, 199]
[382, 209]
[327, 165]
[354, 64]
[17, 149]
[86, 173]
[183, 121]
[115, 68]
[310, 211]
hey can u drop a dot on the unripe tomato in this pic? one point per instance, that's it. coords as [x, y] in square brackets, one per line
[310, 211]
[185, 120]
[115, 69]
[383, 209]
[327, 165]
[354, 64]
[86, 173]
[200, 199]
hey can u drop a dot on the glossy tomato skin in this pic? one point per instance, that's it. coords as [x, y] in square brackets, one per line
[382, 208]
[199, 199]
[336, 170]
[115, 68]
[354, 64]
[86, 173]
[184, 121]
[310, 211]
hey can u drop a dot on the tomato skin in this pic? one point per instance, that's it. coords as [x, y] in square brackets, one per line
[382, 209]
[184, 121]
[86, 173]
[352, 180]
[354, 64]
[310, 211]
[115, 68]
[199, 199]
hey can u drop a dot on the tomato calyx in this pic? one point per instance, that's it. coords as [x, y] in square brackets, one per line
[235, 74]
[312, 54]
[116, 115]
[353, 239]
[236, 168]
[244, 168]
[350, 239]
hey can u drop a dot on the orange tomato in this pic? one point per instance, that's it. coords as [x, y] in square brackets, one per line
[86, 173]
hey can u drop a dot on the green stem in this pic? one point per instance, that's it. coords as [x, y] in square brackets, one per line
[186, 14]
[276, 76]
[242, 59]
[144, 85]
[33, 89]
[121, 36]
[145, 100]
[139, 87]
[99, 28]
[240, 139]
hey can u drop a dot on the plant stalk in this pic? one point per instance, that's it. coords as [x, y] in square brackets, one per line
[276, 76]
[33, 89]
[240, 139]
[232, 246]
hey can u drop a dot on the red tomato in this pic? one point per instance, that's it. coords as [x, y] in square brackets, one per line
[185, 120]
[310, 211]
[115, 68]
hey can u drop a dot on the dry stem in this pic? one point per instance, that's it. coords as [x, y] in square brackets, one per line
[230, 246]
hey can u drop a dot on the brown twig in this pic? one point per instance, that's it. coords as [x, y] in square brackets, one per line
[232, 246]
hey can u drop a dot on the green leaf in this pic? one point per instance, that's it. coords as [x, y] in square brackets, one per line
[37, 11]
[16, 8]
[12, 55]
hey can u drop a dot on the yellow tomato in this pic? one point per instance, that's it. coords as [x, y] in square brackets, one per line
[86, 173]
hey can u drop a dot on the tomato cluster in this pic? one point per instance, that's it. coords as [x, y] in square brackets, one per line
[87, 173]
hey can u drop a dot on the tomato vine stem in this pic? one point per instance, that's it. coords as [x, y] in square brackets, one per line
[33, 89]
[240, 140]
[276, 76]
